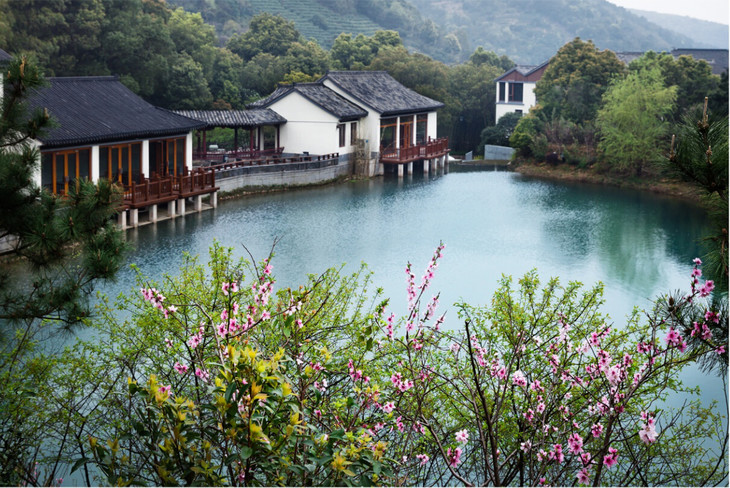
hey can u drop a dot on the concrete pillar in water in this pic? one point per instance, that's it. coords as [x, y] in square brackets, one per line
[181, 206]
[410, 168]
[134, 217]
[171, 208]
[400, 171]
[153, 213]
[425, 166]
[122, 219]
[214, 199]
[198, 203]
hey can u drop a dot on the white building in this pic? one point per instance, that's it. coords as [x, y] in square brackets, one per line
[516, 89]
[392, 125]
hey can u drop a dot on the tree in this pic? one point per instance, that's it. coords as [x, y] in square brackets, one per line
[500, 134]
[632, 121]
[321, 385]
[575, 80]
[699, 153]
[308, 58]
[692, 77]
[267, 34]
[66, 244]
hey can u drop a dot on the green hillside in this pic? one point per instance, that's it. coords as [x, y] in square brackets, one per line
[704, 33]
[527, 31]
[324, 20]
[530, 31]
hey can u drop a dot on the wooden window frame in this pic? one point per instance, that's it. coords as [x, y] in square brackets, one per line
[341, 134]
[66, 176]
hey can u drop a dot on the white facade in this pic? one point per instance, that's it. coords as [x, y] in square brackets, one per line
[529, 99]
[309, 128]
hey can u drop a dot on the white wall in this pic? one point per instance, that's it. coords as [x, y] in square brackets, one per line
[309, 128]
[528, 100]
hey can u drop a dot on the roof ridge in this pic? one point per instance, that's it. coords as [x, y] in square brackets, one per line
[84, 78]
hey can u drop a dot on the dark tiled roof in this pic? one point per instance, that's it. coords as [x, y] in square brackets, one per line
[4, 56]
[379, 90]
[98, 109]
[627, 56]
[716, 58]
[318, 94]
[234, 118]
[523, 69]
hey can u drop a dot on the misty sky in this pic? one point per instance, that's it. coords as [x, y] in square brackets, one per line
[713, 10]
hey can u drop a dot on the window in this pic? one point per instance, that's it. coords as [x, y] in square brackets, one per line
[59, 168]
[167, 157]
[353, 132]
[122, 163]
[515, 92]
[341, 134]
[270, 136]
[406, 131]
[421, 128]
[518, 111]
[501, 91]
[387, 133]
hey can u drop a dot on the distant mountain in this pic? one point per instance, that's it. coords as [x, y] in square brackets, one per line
[528, 31]
[531, 31]
[704, 33]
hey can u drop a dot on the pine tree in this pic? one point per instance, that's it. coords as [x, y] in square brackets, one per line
[67, 242]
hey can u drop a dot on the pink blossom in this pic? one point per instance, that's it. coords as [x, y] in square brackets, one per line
[585, 457]
[526, 446]
[202, 374]
[557, 453]
[648, 433]
[299, 323]
[194, 340]
[388, 407]
[707, 288]
[720, 350]
[181, 368]
[225, 287]
[540, 407]
[673, 336]
[575, 444]
[454, 456]
[596, 430]
[518, 378]
[697, 261]
[611, 458]
[582, 476]
[423, 458]
[529, 415]
[462, 436]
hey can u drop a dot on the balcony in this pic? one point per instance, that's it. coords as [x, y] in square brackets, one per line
[432, 149]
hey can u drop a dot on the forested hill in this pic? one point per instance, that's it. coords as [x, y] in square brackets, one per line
[528, 31]
[324, 20]
[706, 34]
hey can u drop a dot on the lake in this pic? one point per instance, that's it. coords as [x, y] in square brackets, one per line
[493, 222]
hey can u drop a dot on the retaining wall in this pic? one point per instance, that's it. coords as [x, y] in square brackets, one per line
[284, 174]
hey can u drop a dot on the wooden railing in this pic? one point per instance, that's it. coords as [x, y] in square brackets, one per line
[150, 192]
[431, 149]
[242, 163]
[163, 189]
[197, 182]
[240, 153]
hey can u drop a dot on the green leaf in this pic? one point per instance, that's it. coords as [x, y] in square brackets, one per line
[245, 453]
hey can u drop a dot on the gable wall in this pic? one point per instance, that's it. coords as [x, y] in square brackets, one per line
[308, 127]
